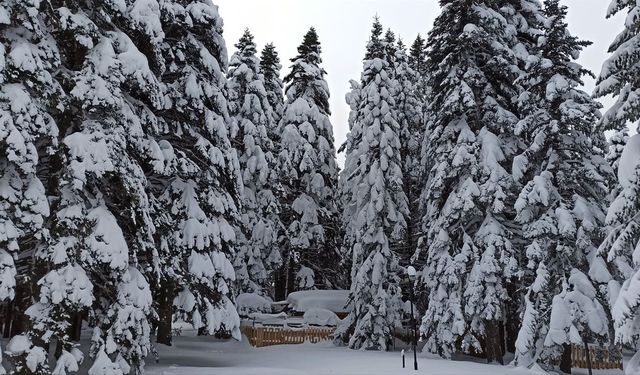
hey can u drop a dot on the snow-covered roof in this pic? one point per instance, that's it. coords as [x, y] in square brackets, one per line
[333, 300]
[320, 317]
[247, 303]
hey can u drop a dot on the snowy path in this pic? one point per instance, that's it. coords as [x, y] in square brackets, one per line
[201, 356]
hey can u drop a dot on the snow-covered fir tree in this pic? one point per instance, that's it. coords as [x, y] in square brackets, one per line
[410, 117]
[562, 203]
[376, 202]
[309, 172]
[257, 252]
[620, 247]
[204, 190]
[418, 62]
[389, 43]
[89, 263]
[469, 145]
[418, 55]
[270, 69]
[29, 93]
[620, 79]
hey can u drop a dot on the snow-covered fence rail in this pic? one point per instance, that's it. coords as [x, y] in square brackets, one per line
[267, 336]
[600, 358]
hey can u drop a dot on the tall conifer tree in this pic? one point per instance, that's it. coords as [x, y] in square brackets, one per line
[257, 252]
[561, 206]
[204, 192]
[270, 68]
[619, 77]
[469, 145]
[309, 172]
[376, 202]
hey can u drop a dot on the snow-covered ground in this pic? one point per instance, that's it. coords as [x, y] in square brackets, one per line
[204, 356]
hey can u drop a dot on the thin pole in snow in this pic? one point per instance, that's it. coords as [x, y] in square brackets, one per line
[403, 358]
[415, 335]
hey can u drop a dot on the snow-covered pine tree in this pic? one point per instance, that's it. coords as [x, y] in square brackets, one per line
[409, 115]
[203, 193]
[391, 49]
[418, 62]
[102, 215]
[621, 248]
[525, 18]
[29, 93]
[418, 55]
[377, 204]
[270, 69]
[562, 203]
[353, 98]
[257, 252]
[616, 146]
[309, 172]
[620, 79]
[345, 190]
[467, 242]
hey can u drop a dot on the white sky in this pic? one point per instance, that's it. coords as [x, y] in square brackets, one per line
[344, 27]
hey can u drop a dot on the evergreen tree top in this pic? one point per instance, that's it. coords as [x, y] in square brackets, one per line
[560, 45]
[390, 37]
[400, 46]
[306, 78]
[246, 45]
[245, 57]
[310, 48]
[375, 47]
[270, 62]
[418, 54]
[418, 45]
[390, 45]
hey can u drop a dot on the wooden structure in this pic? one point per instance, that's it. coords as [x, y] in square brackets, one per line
[267, 336]
[600, 358]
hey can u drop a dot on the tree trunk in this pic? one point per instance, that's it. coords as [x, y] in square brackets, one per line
[493, 342]
[76, 326]
[280, 283]
[165, 312]
[512, 323]
[291, 277]
[565, 360]
[59, 349]
[7, 321]
[22, 301]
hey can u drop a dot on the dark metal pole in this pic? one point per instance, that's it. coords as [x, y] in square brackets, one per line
[415, 334]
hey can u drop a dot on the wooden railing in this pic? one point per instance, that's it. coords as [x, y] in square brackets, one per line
[267, 336]
[600, 358]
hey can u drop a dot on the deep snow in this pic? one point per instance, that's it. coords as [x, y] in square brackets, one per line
[206, 356]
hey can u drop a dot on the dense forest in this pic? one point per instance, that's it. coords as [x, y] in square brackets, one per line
[146, 178]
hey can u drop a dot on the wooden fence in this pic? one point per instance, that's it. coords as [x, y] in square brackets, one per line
[600, 358]
[267, 336]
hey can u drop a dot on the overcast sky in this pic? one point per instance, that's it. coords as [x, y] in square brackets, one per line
[344, 28]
